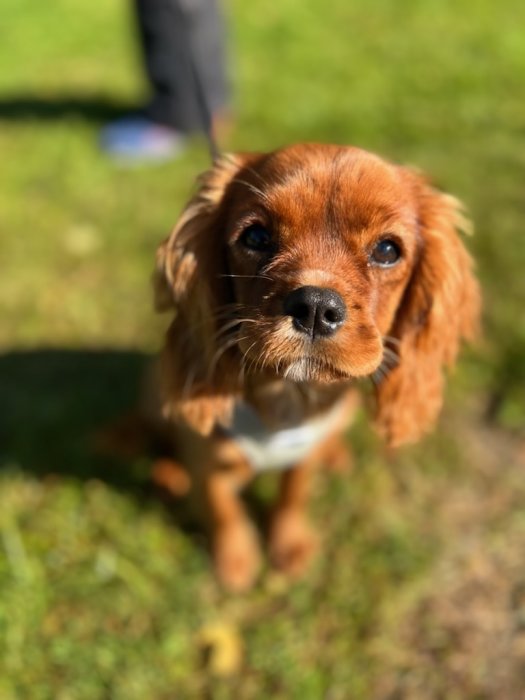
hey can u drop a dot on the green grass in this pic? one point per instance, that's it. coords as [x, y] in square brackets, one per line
[106, 592]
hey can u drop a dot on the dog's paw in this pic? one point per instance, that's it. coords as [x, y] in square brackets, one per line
[293, 543]
[237, 556]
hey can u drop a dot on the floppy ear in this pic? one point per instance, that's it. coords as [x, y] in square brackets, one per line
[440, 307]
[187, 279]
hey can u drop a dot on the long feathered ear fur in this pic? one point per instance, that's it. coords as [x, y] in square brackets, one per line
[440, 307]
[187, 280]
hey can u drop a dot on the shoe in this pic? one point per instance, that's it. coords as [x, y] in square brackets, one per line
[139, 139]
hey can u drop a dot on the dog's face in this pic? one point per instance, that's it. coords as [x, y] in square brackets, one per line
[317, 263]
[320, 245]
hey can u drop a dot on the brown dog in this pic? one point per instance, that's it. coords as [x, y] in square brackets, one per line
[291, 275]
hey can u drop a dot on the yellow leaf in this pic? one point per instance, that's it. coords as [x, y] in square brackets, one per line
[222, 648]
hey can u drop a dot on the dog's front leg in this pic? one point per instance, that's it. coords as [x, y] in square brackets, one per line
[293, 541]
[234, 541]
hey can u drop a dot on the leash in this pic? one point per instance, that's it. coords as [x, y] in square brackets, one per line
[204, 107]
[198, 84]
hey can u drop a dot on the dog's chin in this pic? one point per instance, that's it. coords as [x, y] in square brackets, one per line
[307, 369]
[311, 370]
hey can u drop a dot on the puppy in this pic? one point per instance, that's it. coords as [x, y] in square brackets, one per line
[291, 275]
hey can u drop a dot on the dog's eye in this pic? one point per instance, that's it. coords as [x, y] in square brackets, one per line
[386, 253]
[256, 237]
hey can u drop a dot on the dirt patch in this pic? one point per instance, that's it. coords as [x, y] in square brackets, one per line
[461, 632]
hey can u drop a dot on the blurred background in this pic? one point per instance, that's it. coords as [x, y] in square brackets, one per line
[106, 591]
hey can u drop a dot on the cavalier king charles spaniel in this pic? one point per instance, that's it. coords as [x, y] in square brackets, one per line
[291, 275]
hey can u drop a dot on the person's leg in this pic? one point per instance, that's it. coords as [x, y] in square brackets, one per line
[178, 38]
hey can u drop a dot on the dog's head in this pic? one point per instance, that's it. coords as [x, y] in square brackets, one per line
[317, 264]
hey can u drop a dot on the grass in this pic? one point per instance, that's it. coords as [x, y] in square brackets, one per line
[105, 592]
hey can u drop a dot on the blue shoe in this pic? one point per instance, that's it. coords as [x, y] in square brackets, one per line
[139, 139]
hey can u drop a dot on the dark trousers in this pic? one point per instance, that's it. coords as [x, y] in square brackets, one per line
[184, 55]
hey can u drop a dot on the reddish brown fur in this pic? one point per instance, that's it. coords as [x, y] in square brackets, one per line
[325, 206]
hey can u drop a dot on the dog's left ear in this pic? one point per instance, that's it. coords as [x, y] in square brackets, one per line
[182, 259]
[440, 307]
[187, 280]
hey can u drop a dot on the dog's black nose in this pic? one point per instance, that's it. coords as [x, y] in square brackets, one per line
[316, 311]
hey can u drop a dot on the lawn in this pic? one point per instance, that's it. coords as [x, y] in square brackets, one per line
[106, 591]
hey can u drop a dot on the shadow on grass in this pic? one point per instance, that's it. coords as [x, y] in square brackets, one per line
[56, 402]
[94, 108]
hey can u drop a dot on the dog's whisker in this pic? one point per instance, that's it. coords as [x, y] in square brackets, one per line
[252, 367]
[220, 352]
[259, 276]
[244, 357]
[233, 324]
[189, 381]
[217, 316]
[230, 306]
[251, 362]
[262, 360]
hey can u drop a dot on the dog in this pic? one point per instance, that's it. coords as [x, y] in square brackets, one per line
[291, 275]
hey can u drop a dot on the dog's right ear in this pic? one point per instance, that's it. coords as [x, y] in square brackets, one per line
[187, 280]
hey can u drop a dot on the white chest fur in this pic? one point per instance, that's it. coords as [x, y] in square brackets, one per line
[269, 449]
